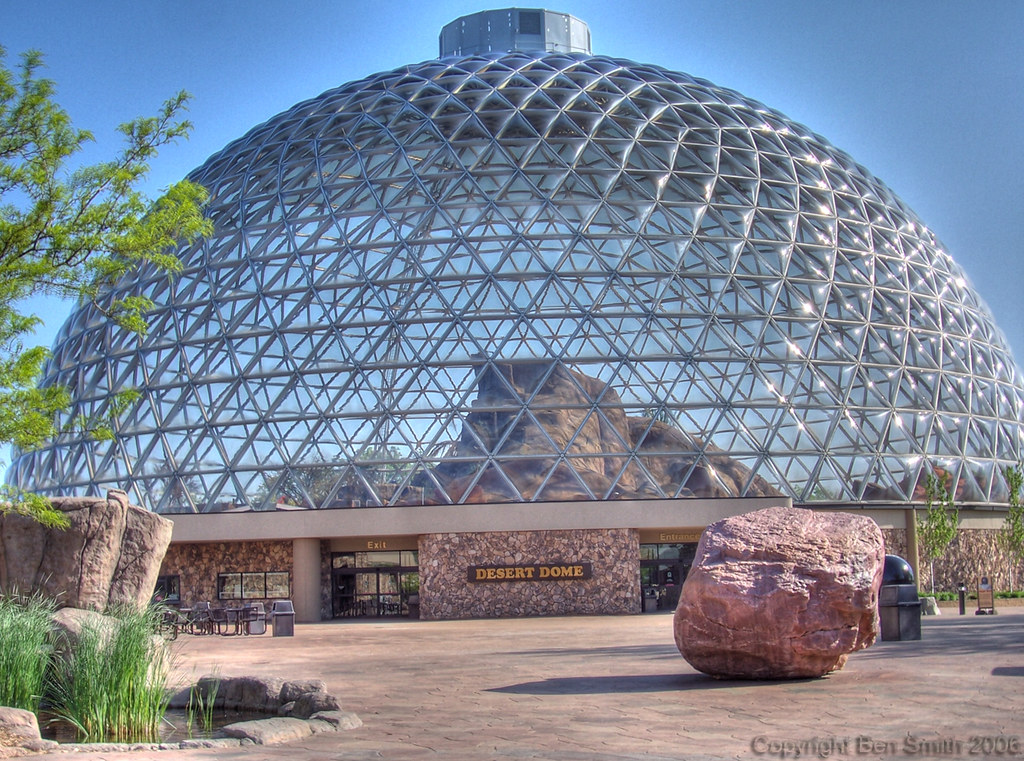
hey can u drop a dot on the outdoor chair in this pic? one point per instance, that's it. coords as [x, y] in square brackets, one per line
[201, 619]
[219, 619]
[172, 623]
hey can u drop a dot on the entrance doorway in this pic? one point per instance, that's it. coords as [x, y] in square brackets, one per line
[663, 568]
[373, 584]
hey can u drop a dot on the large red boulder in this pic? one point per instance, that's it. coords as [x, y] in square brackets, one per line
[781, 593]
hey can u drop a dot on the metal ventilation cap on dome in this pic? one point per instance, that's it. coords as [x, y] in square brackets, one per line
[526, 30]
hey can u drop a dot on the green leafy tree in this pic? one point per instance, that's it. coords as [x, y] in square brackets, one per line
[316, 481]
[937, 529]
[74, 233]
[1012, 534]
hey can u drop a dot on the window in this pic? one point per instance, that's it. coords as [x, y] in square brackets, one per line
[529, 22]
[277, 584]
[680, 551]
[229, 586]
[258, 585]
[408, 559]
[167, 589]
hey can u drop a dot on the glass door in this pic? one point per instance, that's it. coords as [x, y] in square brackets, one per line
[373, 584]
[389, 594]
[663, 568]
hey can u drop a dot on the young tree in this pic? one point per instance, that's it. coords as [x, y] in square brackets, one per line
[1012, 533]
[73, 232]
[937, 530]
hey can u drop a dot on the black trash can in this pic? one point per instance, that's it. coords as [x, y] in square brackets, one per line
[282, 618]
[899, 606]
[650, 601]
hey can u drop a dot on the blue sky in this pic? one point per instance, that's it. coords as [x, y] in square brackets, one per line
[928, 95]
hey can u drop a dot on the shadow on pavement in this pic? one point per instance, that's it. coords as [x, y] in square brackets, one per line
[943, 637]
[957, 636]
[667, 650]
[597, 685]
[1008, 671]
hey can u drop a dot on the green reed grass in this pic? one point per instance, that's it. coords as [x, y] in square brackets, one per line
[25, 650]
[201, 701]
[112, 684]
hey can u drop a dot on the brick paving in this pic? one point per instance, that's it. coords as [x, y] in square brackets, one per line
[615, 688]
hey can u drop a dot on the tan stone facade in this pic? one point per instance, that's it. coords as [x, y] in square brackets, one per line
[198, 565]
[446, 591]
[452, 539]
[974, 553]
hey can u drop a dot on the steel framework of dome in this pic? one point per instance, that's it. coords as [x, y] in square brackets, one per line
[389, 255]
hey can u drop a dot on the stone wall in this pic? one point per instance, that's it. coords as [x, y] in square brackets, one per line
[895, 541]
[974, 553]
[326, 582]
[199, 564]
[446, 591]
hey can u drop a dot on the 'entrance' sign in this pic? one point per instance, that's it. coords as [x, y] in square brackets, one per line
[542, 572]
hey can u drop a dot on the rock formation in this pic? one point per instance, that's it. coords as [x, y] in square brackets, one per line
[566, 410]
[962, 490]
[19, 734]
[271, 695]
[110, 554]
[67, 625]
[781, 593]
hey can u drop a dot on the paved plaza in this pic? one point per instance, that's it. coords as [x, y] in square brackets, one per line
[614, 688]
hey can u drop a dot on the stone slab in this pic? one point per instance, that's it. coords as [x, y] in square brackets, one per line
[280, 729]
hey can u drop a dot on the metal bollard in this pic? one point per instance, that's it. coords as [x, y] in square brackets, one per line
[963, 599]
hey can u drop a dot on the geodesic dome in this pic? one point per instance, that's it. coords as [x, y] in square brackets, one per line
[622, 280]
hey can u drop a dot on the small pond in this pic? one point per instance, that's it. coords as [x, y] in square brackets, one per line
[176, 726]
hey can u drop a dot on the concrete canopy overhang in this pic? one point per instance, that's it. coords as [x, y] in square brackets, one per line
[518, 516]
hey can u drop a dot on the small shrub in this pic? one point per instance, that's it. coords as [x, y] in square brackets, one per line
[972, 595]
